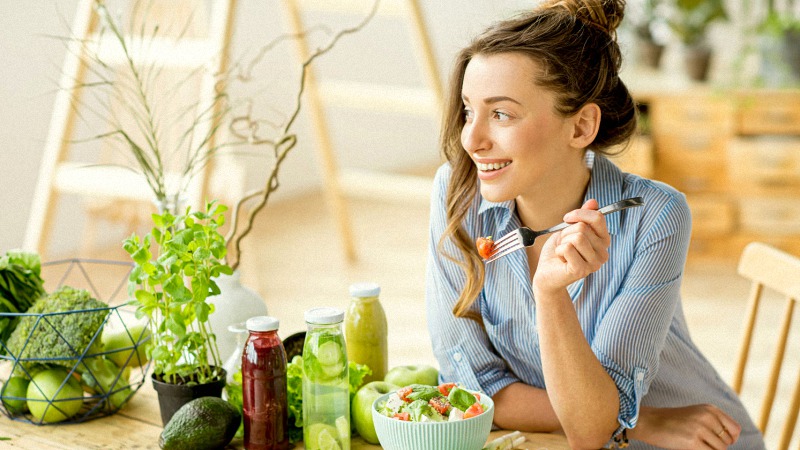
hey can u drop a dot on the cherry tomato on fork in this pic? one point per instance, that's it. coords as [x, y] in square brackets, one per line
[485, 245]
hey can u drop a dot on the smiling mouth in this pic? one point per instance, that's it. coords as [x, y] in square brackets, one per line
[493, 166]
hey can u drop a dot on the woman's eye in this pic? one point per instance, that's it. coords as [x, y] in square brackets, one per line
[468, 114]
[499, 115]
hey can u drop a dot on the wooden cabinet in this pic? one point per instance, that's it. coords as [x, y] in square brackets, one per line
[736, 156]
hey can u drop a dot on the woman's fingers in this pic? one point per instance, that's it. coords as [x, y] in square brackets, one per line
[721, 429]
[591, 249]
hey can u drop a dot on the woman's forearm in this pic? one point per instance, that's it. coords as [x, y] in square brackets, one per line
[583, 395]
[519, 406]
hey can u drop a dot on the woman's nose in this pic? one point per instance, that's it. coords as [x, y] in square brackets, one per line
[475, 136]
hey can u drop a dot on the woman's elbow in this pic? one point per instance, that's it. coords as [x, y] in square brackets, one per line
[586, 441]
[588, 437]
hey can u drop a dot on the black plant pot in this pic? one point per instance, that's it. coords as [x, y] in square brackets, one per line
[650, 53]
[172, 396]
[791, 51]
[697, 60]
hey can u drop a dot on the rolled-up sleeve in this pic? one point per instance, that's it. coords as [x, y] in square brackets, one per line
[633, 330]
[461, 345]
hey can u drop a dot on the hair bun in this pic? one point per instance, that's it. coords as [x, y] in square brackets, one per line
[605, 15]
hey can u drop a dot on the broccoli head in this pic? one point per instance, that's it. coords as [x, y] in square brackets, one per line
[64, 324]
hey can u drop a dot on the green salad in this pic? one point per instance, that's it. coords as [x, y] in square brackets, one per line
[444, 403]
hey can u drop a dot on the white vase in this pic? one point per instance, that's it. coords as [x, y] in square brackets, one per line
[234, 305]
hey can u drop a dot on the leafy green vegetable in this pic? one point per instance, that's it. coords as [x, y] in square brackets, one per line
[420, 408]
[61, 328]
[461, 398]
[294, 390]
[423, 392]
[21, 285]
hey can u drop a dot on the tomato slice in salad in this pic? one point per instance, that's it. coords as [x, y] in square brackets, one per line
[404, 416]
[445, 388]
[474, 410]
[440, 404]
[403, 394]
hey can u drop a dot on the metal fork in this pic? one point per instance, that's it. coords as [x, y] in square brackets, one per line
[524, 236]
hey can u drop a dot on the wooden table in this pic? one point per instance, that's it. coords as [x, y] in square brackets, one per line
[138, 425]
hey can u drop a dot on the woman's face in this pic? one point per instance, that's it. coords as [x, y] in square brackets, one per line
[512, 132]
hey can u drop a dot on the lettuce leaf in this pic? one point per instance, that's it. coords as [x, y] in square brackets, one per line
[294, 390]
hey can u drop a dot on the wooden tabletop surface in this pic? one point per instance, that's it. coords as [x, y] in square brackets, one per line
[138, 425]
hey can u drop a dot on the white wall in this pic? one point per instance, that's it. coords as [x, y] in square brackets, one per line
[31, 64]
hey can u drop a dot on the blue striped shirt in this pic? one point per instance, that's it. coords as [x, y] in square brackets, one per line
[629, 310]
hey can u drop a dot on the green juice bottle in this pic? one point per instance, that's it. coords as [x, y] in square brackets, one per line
[326, 387]
[366, 330]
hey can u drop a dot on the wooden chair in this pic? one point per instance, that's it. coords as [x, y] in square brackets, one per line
[770, 268]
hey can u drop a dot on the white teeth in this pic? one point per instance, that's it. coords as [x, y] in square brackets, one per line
[493, 166]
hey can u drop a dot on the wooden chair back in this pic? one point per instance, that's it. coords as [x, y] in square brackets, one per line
[768, 267]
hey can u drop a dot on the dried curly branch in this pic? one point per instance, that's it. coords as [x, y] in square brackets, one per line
[247, 127]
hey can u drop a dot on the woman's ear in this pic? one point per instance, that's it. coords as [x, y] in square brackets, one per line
[586, 122]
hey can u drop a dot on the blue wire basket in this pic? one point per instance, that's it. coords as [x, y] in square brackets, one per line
[84, 390]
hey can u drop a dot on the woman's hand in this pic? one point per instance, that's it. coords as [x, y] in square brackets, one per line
[574, 252]
[695, 427]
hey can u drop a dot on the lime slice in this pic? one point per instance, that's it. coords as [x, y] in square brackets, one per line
[318, 434]
[326, 441]
[343, 427]
[329, 353]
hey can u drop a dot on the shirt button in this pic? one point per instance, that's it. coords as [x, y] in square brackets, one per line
[457, 357]
[640, 376]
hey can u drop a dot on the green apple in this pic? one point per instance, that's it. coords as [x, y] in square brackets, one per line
[361, 408]
[406, 375]
[119, 345]
[48, 401]
[15, 387]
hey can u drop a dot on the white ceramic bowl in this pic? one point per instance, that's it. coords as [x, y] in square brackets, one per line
[467, 434]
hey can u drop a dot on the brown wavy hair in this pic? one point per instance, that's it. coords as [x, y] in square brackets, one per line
[575, 44]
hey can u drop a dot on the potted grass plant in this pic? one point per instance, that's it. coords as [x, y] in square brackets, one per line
[646, 21]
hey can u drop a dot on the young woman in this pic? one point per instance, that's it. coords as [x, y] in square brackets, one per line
[582, 332]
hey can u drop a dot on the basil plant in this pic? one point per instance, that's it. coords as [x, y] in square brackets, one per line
[175, 265]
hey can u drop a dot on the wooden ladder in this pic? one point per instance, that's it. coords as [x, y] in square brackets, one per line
[427, 101]
[111, 185]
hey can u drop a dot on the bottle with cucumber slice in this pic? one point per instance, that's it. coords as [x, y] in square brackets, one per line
[326, 391]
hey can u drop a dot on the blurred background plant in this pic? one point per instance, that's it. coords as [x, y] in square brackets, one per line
[690, 21]
[649, 24]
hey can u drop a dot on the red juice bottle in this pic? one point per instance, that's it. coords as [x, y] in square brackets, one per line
[266, 412]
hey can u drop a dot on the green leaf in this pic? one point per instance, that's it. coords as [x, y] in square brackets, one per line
[141, 255]
[176, 325]
[145, 298]
[461, 398]
[201, 311]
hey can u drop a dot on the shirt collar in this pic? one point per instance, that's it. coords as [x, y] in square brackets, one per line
[605, 185]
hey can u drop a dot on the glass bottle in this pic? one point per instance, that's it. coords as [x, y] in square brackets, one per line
[264, 402]
[366, 330]
[326, 388]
